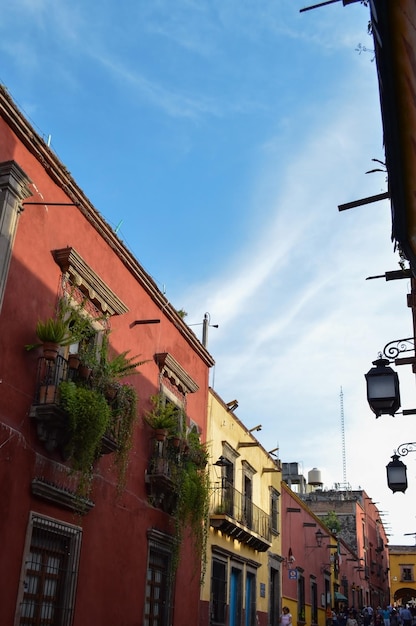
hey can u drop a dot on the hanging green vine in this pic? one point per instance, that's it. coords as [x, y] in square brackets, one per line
[89, 417]
[123, 418]
[191, 483]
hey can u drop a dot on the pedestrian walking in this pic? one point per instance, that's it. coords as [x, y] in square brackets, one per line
[395, 618]
[286, 618]
[351, 621]
[386, 616]
[406, 616]
[366, 617]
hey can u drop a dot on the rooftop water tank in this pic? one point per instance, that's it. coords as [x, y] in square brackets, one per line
[314, 477]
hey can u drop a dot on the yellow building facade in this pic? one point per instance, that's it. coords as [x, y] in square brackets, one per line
[402, 562]
[243, 576]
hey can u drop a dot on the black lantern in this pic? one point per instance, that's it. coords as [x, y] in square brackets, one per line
[396, 474]
[383, 392]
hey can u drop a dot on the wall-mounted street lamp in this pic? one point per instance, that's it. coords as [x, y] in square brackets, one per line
[383, 391]
[222, 462]
[397, 470]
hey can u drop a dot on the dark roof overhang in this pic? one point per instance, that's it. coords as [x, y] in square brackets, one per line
[395, 50]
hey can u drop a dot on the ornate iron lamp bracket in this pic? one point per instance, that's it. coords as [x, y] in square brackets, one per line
[404, 448]
[392, 349]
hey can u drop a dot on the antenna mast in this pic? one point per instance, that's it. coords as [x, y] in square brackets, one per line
[344, 461]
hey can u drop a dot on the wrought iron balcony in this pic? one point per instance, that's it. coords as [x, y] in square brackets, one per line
[51, 421]
[163, 461]
[52, 424]
[236, 516]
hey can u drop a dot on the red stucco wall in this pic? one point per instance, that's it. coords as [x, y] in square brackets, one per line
[111, 582]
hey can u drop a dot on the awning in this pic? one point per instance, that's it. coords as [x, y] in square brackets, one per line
[340, 597]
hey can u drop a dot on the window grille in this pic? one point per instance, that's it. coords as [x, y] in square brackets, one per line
[158, 584]
[218, 592]
[274, 511]
[50, 573]
[301, 598]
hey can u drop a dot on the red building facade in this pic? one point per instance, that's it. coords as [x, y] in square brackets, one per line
[107, 557]
[321, 569]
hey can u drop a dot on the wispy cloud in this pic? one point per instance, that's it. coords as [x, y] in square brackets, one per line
[297, 319]
[173, 102]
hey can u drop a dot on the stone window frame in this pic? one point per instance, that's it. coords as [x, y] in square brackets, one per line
[403, 576]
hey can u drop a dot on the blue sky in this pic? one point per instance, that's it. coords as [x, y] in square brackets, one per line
[226, 133]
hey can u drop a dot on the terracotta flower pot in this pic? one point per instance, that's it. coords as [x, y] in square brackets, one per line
[111, 391]
[84, 372]
[50, 350]
[73, 361]
[160, 434]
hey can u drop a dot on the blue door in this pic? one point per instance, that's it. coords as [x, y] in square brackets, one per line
[235, 597]
[249, 599]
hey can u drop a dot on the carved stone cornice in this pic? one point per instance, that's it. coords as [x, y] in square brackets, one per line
[171, 369]
[80, 274]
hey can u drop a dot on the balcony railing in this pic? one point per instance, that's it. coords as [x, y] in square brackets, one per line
[51, 421]
[235, 515]
[163, 460]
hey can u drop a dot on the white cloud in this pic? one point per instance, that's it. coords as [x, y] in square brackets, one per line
[297, 319]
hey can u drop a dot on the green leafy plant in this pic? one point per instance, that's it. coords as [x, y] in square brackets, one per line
[87, 353]
[186, 468]
[54, 330]
[197, 451]
[163, 416]
[191, 484]
[89, 417]
[123, 418]
[331, 520]
[68, 326]
[110, 369]
[51, 330]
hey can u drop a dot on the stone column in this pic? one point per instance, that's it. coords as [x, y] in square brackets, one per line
[14, 188]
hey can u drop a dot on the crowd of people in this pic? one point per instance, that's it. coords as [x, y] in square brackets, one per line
[388, 616]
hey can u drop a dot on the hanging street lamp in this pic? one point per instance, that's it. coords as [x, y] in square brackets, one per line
[383, 391]
[396, 474]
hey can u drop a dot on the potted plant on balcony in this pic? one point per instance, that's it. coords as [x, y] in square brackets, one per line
[163, 416]
[68, 326]
[87, 354]
[196, 450]
[110, 369]
[52, 333]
